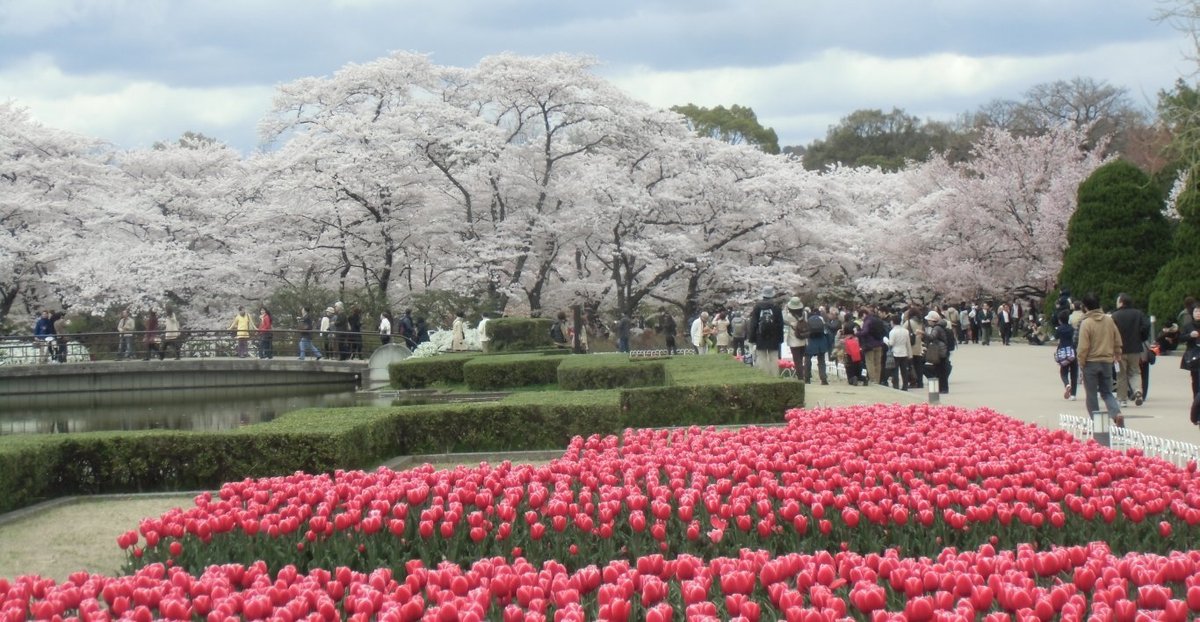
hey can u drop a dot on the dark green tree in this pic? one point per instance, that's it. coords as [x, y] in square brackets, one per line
[1180, 277]
[734, 125]
[1117, 237]
[879, 139]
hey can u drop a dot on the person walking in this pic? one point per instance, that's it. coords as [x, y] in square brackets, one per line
[1192, 340]
[485, 340]
[1064, 355]
[305, 343]
[242, 325]
[699, 333]
[870, 339]
[669, 328]
[385, 327]
[937, 351]
[1004, 318]
[172, 333]
[1134, 327]
[125, 328]
[266, 336]
[900, 342]
[153, 337]
[987, 319]
[326, 329]
[796, 321]
[354, 323]
[624, 325]
[737, 333]
[1099, 347]
[458, 331]
[819, 345]
[408, 330]
[721, 331]
[766, 332]
[341, 330]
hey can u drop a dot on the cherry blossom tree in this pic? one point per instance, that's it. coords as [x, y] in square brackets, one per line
[1002, 214]
[53, 190]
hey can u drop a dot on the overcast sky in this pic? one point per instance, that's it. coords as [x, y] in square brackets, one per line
[136, 71]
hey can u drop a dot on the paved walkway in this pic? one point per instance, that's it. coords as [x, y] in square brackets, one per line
[1021, 381]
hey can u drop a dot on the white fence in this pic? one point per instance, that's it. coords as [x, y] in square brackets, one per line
[1177, 452]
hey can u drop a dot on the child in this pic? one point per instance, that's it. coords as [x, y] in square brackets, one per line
[853, 356]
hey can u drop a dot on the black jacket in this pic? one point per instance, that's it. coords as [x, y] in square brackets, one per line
[1134, 327]
[770, 339]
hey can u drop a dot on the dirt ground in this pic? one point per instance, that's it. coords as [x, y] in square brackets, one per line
[77, 536]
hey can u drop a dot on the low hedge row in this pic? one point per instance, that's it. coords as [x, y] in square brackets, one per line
[420, 373]
[35, 468]
[486, 373]
[580, 373]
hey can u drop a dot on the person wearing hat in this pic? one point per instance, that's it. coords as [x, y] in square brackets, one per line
[327, 329]
[937, 351]
[797, 337]
[765, 331]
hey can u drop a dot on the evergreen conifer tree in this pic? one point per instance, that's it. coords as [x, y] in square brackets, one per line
[1117, 237]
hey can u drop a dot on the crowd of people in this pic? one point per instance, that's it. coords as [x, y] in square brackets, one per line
[338, 331]
[900, 346]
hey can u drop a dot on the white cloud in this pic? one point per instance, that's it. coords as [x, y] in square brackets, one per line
[801, 99]
[134, 113]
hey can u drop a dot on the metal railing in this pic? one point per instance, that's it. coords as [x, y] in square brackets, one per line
[1176, 452]
[190, 344]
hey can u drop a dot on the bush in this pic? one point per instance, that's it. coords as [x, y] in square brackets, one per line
[579, 373]
[703, 391]
[519, 334]
[417, 373]
[511, 370]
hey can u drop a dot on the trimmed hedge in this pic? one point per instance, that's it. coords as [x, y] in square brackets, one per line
[517, 334]
[580, 373]
[702, 391]
[485, 373]
[418, 373]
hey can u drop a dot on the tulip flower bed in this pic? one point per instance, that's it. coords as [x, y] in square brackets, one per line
[1073, 583]
[868, 513]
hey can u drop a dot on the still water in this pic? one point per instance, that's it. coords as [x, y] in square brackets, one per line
[199, 409]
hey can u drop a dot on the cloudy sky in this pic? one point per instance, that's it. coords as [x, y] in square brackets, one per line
[136, 71]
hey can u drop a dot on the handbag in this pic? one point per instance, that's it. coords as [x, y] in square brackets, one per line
[1064, 356]
[1191, 358]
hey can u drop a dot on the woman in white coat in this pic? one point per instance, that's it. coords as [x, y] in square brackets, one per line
[700, 333]
[900, 342]
[797, 334]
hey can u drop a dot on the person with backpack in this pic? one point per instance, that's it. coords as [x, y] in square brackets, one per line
[937, 351]
[766, 332]
[737, 331]
[818, 346]
[870, 338]
[852, 358]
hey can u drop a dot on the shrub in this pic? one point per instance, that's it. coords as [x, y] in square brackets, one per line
[511, 370]
[609, 372]
[519, 334]
[417, 373]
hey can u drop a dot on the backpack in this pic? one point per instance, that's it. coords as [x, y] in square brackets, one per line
[853, 350]
[816, 326]
[765, 330]
[951, 341]
[935, 346]
[556, 333]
